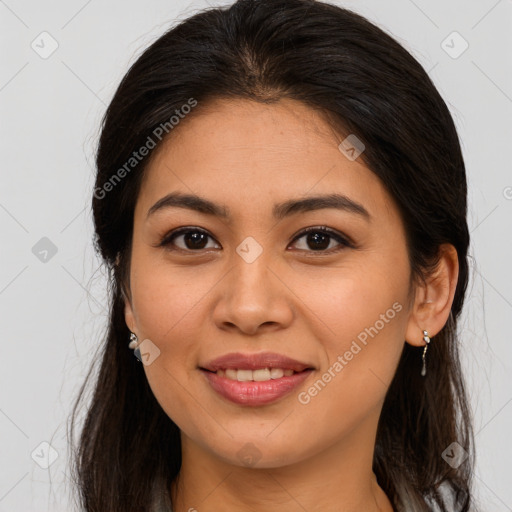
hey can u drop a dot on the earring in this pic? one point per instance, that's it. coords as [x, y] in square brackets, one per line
[426, 338]
[133, 341]
[134, 346]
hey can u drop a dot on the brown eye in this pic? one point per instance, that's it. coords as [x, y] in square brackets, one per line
[187, 239]
[316, 239]
[321, 239]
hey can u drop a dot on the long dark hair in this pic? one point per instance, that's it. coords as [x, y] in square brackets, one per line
[367, 84]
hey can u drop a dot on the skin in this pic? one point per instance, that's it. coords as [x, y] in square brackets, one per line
[198, 304]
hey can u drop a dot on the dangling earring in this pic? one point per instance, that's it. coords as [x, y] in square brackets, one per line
[426, 338]
[134, 346]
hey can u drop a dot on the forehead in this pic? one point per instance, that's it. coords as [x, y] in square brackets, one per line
[249, 154]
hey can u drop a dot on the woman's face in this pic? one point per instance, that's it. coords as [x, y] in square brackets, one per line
[253, 283]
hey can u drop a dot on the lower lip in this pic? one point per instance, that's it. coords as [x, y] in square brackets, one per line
[255, 393]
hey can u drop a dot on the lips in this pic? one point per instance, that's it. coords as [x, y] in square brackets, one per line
[238, 361]
[255, 379]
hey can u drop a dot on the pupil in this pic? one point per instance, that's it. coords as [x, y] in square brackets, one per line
[197, 240]
[320, 239]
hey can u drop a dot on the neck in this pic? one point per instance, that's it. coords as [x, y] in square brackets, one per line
[338, 479]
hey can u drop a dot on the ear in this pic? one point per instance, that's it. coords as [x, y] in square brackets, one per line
[129, 317]
[433, 299]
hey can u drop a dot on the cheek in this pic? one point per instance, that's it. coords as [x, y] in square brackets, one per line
[360, 358]
[359, 318]
[345, 304]
[166, 301]
[166, 305]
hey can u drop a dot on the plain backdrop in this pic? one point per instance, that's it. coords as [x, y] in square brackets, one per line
[61, 62]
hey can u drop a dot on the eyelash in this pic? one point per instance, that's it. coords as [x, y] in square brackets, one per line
[167, 240]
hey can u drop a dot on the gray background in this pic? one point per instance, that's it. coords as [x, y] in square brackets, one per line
[53, 303]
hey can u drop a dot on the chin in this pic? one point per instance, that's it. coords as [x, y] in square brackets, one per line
[257, 452]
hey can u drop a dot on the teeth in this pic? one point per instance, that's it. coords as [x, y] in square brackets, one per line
[230, 374]
[244, 375]
[276, 373]
[259, 375]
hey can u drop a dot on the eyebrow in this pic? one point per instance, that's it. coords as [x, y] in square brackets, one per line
[279, 211]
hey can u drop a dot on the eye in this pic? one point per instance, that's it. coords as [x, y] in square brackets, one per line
[317, 239]
[187, 239]
[320, 238]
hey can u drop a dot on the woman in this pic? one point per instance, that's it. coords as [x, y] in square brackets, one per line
[281, 203]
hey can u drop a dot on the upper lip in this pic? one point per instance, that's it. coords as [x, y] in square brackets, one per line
[237, 360]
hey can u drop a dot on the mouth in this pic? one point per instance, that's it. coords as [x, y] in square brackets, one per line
[255, 362]
[259, 375]
[255, 379]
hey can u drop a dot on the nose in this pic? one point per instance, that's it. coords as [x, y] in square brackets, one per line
[253, 298]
